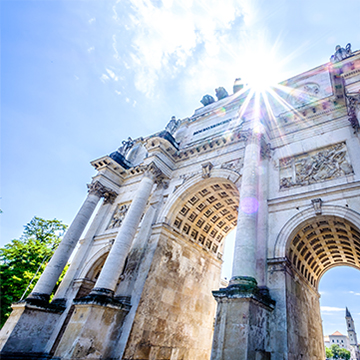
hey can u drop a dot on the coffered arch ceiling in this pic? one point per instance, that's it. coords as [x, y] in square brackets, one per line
[325, 242]
[207, 214]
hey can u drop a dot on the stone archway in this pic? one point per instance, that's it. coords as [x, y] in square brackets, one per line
[315, 244]
[177, 307]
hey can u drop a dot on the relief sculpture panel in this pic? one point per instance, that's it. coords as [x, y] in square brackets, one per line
[118, 216]
[319, 165]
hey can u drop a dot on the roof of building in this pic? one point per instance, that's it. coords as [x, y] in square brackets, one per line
[337, 333]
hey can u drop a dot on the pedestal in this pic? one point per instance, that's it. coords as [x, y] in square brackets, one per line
[241, 321]
[94, 327]
[37, 323]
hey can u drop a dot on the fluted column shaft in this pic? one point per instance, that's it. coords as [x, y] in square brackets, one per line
[53, 270]
[244, 264]
[115, 261]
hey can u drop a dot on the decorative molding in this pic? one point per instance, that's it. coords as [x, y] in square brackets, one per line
[320, 165]
[96, 188]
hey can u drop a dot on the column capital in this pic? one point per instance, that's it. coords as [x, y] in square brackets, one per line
[252, 137]
[97, 188]
[153, 172]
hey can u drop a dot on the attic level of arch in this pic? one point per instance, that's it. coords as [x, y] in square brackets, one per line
[324, 243]
[232, 137]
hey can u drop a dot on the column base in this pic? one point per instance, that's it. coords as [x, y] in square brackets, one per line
[27, 356]
[241, 321]
[94, 327]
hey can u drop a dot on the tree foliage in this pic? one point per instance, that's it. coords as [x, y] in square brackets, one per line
[23, 260]
[328, 353]
[339, 353]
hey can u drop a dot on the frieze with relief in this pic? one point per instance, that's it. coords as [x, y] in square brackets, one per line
[118, 216]
[304, 95]
[320, 165]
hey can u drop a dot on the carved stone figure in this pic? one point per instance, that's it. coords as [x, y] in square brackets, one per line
[118, 216]
[341, 53]
[172, 125]
[221, 93]
[206, 169]
[126, 146]
[326, 164]
[238, 85]
[353, 102]
[207, 100]
[234, 165]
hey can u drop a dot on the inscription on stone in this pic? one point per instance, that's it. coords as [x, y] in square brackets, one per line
[305, 169]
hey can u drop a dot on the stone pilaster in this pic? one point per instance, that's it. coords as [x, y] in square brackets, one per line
[45, 285]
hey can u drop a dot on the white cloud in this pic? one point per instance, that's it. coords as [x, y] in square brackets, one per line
[331, 309]
[118, 92]
[90, 49]
[127, 100]
[92, 20]
[104, 78]
[76, 77]
[355, 293]
[174, 34]
[114, 43]
[112, 75]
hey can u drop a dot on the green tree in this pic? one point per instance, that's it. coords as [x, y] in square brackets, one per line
[328, 353]
[23, 260]
[344, 354]
[340, 353]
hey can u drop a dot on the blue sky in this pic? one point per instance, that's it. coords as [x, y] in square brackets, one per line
[78, 77]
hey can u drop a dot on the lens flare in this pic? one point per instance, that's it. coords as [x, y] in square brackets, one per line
[249, 205]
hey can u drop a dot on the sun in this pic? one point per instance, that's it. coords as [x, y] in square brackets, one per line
[260, 66]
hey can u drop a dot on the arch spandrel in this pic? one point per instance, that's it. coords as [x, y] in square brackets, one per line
[205, 212]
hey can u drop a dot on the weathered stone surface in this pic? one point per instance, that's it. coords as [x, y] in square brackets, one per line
[175, 316]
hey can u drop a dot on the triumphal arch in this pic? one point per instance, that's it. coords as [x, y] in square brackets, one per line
[282, 167]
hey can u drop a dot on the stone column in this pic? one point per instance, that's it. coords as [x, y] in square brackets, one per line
[115, 261]
[53, 270]
[78, 260]
[244, 307]
[244, 265]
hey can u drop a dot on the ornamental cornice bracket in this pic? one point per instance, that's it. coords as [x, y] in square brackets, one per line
[317, 203]
[206, 169]
[98, 189]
